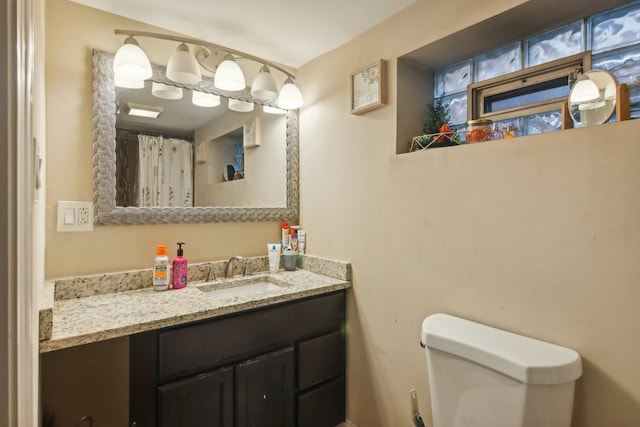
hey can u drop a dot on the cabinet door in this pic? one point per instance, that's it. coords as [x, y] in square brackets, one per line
[265, 390]
[205, 400]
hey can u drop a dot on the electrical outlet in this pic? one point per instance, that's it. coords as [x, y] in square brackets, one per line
[83, 216]
[75, 216]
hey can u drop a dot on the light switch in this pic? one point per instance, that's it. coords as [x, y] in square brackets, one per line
[69, 216]
[75, 216]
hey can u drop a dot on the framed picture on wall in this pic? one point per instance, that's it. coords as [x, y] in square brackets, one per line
[201, 151]
[368, 90]
[251, 133]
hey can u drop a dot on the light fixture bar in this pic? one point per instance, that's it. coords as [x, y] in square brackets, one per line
[202, 43]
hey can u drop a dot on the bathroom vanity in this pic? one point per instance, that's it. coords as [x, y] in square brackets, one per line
[281, 366]
[262, 349]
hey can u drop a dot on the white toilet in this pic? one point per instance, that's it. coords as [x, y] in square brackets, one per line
[481, 376]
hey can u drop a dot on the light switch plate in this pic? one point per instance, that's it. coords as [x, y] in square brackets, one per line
[75, 216]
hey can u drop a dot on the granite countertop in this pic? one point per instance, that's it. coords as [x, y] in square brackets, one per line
[87, 309]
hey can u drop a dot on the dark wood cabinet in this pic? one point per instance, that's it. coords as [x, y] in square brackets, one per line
[279, 366]
[204, 400]
[265, 390]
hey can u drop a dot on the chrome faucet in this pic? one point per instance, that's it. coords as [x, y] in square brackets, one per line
[230, 265]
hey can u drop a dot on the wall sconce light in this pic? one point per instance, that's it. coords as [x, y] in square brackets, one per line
[131, 63]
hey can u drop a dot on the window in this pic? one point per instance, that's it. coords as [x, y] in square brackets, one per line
[495, 85]
[530, 91]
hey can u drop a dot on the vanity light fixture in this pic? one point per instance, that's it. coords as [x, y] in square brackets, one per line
[161, 90]
[229, 75]
[128, 84]
[139, 110]
[131, 63]
[584, 91]
[290, 97]
[273, 110]
[183, 66]
[240, 106]
[202, 99]
[264, 86]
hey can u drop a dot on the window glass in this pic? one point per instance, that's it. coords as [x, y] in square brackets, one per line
[625, 65]
[615, 28]
[498, 62]
[541, 123]
[559, 43]
[544, 91]
[510, 128]
[454, 78]
[457, 108]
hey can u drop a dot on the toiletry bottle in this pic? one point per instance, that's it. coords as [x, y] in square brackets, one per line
[302, 241]
[179, 269]
[285, 235]
[161, 269]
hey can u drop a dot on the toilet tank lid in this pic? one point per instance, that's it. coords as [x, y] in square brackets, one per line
[525, 359]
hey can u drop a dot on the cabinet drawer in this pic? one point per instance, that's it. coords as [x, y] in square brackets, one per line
[320, 359]
[204, 345]
[323, 406]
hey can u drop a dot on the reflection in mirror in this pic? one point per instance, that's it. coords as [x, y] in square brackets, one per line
[154, 152]
[269, 165]
[592, 100]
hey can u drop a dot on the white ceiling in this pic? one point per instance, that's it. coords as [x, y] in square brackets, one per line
[290, 32]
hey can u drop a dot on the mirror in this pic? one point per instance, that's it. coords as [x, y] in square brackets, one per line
[250, 209]
[592, 99]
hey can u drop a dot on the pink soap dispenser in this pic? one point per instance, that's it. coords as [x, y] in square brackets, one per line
[179, 269]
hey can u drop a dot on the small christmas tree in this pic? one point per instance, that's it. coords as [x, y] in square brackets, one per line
[437, 115]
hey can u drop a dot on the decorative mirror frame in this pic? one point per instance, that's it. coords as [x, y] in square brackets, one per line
[104, 161]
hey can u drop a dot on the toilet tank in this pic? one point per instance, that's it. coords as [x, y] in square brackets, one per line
[481, 376]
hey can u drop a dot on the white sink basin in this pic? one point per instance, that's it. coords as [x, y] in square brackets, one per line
[234, 288]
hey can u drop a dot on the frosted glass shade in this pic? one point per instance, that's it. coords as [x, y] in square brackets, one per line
[131, 62]
[584, 91]
[240, 106]
[273, 110]
[183, 67]
[264, 86]
[229, 75]
[202, 99]
[290, 97]
[128, 84]
[164, 91]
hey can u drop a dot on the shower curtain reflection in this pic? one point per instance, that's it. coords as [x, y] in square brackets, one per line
[165, 176]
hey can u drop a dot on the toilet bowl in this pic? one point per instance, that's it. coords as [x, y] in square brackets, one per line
[480, 376]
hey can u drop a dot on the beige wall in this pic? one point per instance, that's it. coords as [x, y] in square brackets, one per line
[72, 31]
[539, 235]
